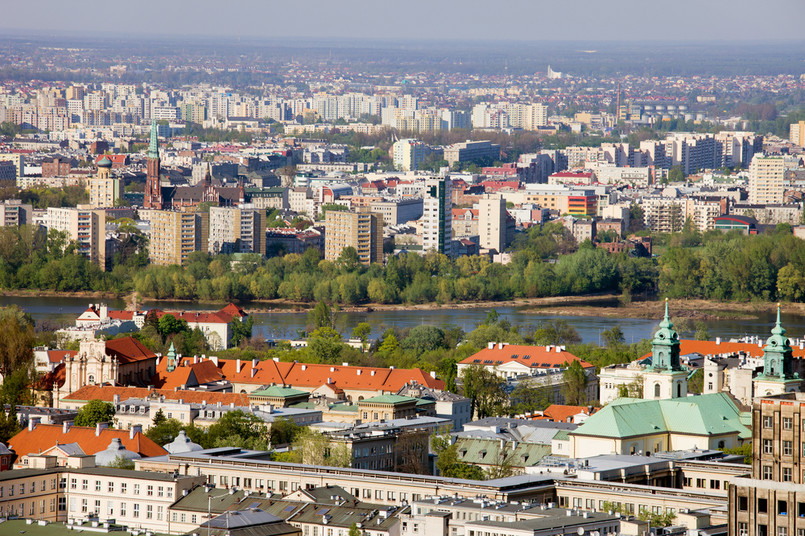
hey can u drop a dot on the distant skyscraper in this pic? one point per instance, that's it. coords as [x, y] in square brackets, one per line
[492, 222]
[362, 231]
[437, 233]
[153, 186]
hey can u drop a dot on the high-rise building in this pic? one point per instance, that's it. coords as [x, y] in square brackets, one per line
[18, 160]
[437, 210]
[766, 184]
[797, 133]
[492, 218]
[240, 229]
[14, 213]
[175, 235]
[104, 189]
[83, 225]
[772, 501]
[408, 154]
[360, 230]
[153, 187]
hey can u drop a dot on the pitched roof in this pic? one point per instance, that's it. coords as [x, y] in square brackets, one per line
[107, 394]
[45, 436]
[530, 356]
[187, 373]
[128, 350]
[564, 413]
[687, 347]
[711, 414]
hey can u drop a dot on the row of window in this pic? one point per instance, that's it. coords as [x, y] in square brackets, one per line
[225, 481]
[701, 483]
[787, 447]
[122, 509]
[19, 509]
[123, 487]
[763, 507]
[30, 487]
[787, 422]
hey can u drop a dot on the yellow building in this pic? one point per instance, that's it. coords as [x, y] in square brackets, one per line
[84, 226]
[175, 235]
[797, 133]
[766, 174]
[104, 189]
[362, 231]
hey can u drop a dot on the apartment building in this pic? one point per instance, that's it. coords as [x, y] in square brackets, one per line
[18, 159]
[240, 229]
[663, 214]
[14, 213]
[492, 220]
[766, 180]
[84, 226]
[175, 235]
[360, 230]
[437, 231]
[469, 151]
[797, 133]
[398, 211]
[408, 154]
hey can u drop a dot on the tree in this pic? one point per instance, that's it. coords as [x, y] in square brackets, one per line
[613, 336]
[122, 463]
[283, 431]
[555, 332]
[239, 429]
[486, 389]
[159, 418]
[362, 331]
[241, 330]
[320, 316]
[354, 530]
[447, 460]
[325, 345]
[165, 431]
[16, 340]
[575, 384]
[423, 338]
[390, 343]
[504, 464]
[169, 325]
[93, 412]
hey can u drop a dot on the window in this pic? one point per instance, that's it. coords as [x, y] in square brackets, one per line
[85, 485]
[787, 476]
[193, 519]
[136, 489]
[781, 531]
[768, 421]
[123, 486]
[97, 485]
[762, 506]
[788, 423]
[767, 472]
[136, 510]
[73, 481]
[768, 447]
[22, 488]
[788, 448]
[111, 487]
[160, 491]
[84, 506]
[159, 513]
[149, 512]
[149, 491]
[122, 509]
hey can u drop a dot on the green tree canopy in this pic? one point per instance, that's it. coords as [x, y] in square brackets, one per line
[93, 412]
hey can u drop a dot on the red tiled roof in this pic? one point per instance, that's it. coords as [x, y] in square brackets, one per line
[563, 413]
[530, 356]
[107, 394]
[58, 356]
[687, 346]
[128, 350]
[45, 436]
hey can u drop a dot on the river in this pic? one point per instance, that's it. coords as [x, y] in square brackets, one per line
[63, 311]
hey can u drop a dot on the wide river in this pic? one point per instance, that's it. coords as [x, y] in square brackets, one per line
[63, 311]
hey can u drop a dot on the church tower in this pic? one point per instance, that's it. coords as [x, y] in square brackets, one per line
[778, 364]
[665, 377]
[153, 186]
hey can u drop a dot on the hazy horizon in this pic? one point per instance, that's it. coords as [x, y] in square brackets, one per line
[726, 21]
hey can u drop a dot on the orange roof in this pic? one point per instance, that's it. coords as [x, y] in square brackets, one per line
[563, 413]
[107, 394]
[45, 436]
[187, 373]
[530, 356]
[128, 350]
[687, 346]
[58, 356]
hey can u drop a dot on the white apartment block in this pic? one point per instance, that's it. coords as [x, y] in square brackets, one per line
[408, 154]
[492, 222]
[84, 226]
[437, 232]
[766, 178]
[239, 229]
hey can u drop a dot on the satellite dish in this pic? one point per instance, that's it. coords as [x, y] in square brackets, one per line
[580, 531]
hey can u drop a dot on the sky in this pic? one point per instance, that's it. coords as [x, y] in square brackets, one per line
[474, 20]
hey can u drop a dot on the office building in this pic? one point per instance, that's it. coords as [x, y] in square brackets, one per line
[437, 227]
[175, 235]
[766, 180]
[239, 229]
[470, 151]
[104, 189]
[84, 226]
[408, 154]
[360, 230]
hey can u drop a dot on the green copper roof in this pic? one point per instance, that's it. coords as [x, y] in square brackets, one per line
[389, 399]
[487, 451]
[153, 147]
[712, 414]
[279, 391]
[778, 354]
[104, 162]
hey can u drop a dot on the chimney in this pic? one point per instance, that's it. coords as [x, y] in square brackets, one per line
[159, 358]
[116, 399]
[490, 346]
[195, 359]
[237, 366]
[104, 312]
[373, 373]
[718, 340]
[329, 381]
[276, 359]
[359, 372]
[254, 371]
[500, 346]
[344, 364]
[332, 369]
[433, 374]
[65, 426]
[32, 422]
[214, 359]
[136, 429]
[100, 426]
[254, 362]
[304, 367]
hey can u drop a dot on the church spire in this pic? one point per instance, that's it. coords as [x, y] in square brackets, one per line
[171, 358]
[153, 147]
[778, 354]
[665, 346]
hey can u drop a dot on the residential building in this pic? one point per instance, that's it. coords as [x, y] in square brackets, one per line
[362, 231]
[797, 133]
[83, 225]
[398, 211]
[766, 180]
[175, 235]
[437, 216]
[492, 220]
[14, 213]
[18, 159]
[240, 229]
[408, 154]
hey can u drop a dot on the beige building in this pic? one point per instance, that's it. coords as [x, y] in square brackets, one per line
[14, 213]
[84, 226]
[104, 189]
[492, 222]
[239, 229]
[362, 231]
[796, 131]
[175, 235]
[766, 180]
[408, 154]
[18, 160]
